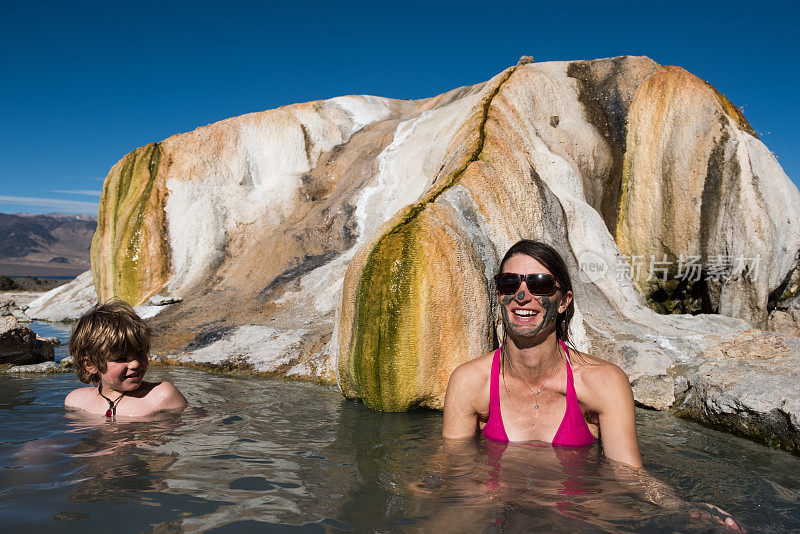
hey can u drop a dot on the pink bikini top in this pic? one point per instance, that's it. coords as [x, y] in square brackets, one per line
[573, 431]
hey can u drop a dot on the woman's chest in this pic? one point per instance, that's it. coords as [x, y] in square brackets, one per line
[528, 418]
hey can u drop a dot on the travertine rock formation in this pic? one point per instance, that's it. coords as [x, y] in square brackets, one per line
[353, 239]
[693, 167]
[64, 303]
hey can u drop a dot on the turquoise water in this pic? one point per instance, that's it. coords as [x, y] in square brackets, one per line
[273, 456]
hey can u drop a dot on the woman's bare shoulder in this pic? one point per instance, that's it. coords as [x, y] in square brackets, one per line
[597, 374]
[474, 370]
[583, 362]
[467, 396]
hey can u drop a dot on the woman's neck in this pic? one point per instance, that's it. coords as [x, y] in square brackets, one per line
[533, 361]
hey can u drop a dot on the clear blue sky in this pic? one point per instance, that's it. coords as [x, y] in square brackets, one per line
[83, 83]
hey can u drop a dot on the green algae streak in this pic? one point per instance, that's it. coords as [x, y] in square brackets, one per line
[386, 323]
[120, 259]
[384, 346]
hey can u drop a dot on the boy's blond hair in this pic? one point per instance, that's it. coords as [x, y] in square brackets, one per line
[107, 331]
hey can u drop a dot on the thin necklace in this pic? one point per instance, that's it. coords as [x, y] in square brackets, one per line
[541, 388]
[112, 405]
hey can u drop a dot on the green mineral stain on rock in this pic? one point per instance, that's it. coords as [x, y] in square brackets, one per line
[677, 295]
[125, 199]
[388, 320]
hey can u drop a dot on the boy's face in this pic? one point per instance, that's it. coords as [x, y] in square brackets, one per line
[123, 373]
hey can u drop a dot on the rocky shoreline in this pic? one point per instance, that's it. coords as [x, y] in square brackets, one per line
[21, 346]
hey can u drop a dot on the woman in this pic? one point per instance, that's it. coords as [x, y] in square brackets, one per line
[535, 388]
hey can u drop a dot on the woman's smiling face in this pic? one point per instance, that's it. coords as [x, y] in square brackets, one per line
[526, 314]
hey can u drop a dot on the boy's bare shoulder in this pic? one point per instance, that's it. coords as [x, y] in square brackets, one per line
[165, 396]
[79, 398]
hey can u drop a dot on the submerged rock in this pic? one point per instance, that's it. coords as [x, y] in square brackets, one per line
[354, 239]
[21, 346]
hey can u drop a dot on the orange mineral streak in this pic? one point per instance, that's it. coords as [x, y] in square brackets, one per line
[674, 124]
[445, 286]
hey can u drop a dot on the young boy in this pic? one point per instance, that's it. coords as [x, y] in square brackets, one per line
[109, 346]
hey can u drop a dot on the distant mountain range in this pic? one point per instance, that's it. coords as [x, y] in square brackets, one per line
[55, 244]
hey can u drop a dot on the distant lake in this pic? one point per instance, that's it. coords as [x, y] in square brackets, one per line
[42, 276]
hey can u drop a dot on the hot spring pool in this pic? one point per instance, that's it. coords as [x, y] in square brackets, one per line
[273, 456]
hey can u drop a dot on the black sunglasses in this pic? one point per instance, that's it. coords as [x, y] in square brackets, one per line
[538, 284]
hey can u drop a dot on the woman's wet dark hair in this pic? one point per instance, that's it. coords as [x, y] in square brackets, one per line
[552, 260]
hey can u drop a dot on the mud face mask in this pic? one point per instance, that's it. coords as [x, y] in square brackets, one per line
[540, 284]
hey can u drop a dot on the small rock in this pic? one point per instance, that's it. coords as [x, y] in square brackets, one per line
[9, 306]
[163, 300]
[44, 349]
[44, 367]
[21, 346]
[68, 515]
[657, 392]
[784, 321]
[524, 60]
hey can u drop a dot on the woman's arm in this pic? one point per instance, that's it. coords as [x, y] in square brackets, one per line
[460, 416]
[620, 443]
[661, 494]
[616, 415]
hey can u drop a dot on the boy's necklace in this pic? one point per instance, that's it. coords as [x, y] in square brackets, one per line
[112, 405]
